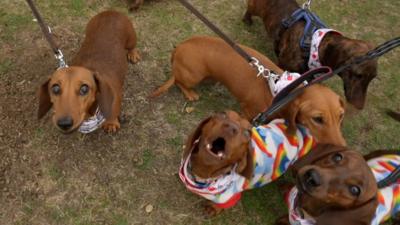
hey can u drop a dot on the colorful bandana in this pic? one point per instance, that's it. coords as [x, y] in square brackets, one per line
[273, 152]
[388, 197]
[92, 123]
[314, 60]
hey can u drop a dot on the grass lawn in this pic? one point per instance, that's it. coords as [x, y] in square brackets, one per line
[50, 178]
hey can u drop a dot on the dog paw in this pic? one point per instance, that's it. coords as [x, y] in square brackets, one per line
[111, 127]
[134, 56]
[192, 96]
[211, 210]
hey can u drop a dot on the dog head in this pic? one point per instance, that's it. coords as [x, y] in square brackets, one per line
[336, 186]
[357, 78]
[218, 144]
[74, 93]
[320, 110]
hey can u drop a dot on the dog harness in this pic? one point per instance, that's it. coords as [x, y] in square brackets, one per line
[91, 124]
[388, 197]
[273, 152]
[314, 31]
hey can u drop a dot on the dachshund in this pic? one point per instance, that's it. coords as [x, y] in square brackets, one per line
[337, 185]
[225, 156]
[334, 49]
[90, 90]
[201, 57]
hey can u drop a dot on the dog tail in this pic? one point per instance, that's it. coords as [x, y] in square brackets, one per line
[394, 115]
[163, 88]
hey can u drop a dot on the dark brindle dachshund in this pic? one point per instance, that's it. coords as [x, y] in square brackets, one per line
[334, 50]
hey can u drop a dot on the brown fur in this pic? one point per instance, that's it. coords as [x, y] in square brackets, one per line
[200, 58]
[331, 202]
[334, 51]
[101, 64]
[134, 4]
[394, 115]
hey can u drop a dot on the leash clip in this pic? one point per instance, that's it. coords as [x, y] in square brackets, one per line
[262, 71]
[60, 57]
[307, 5]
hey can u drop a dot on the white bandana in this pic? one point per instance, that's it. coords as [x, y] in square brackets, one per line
[314, 60]
[285, 80]
[92, 123]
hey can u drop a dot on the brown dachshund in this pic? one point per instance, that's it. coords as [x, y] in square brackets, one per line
[225, 156]
[335, 185]
[95, 77]
[334, 50]
[199, 58]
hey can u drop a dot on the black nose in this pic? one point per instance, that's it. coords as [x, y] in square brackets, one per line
[312, 178]
[65, 123]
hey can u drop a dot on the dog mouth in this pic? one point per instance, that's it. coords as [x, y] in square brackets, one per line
[217, 148]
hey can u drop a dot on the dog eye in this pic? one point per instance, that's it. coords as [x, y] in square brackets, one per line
[56, 89]
[355, 190]
[337, 157]
[84, 89]
[318, 119]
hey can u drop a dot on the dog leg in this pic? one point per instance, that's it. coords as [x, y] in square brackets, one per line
[189, 93]
[134, 56]
[211, 210]
[247, 18]
[284, 220]
[111, 126]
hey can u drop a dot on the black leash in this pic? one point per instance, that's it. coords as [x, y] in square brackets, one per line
[47, 33]
[262, 70]
[317, 76]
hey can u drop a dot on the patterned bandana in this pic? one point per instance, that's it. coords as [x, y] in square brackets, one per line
[92, 123]
[273, 152]
[314, 60]
[284, 81]
[388, 197]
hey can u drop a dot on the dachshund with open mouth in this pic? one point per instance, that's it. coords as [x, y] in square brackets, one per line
[337, 185]
[225, 156]
[88, 94]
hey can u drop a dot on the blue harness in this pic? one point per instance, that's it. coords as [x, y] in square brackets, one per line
[313, 23]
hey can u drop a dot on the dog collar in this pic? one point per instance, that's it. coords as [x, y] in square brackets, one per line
[92, 123]
[314, 60]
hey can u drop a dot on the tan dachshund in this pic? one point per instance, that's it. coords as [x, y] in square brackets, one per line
[200, 58]
[95, 77]
[334, 50]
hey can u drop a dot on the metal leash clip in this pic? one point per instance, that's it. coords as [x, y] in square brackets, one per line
[60, 57]
[307, 5]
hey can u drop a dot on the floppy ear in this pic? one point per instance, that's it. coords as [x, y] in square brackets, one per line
[44, 99]
[361, 215]
[193, 137]
[316, 153]
[290, 113]
[245, 165]
[105, 95]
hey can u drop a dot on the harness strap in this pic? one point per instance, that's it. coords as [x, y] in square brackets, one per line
[47, 34]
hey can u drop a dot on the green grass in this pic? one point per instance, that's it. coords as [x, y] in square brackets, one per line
[108, 179]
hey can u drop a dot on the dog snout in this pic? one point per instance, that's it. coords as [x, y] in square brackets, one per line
[65, 123]
[312, 178]
[231, 128]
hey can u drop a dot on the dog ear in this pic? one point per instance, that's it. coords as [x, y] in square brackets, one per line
[194, 137]
[44, 99]
[105, 95]
[245, 166]
[290, 113]
[316, 153]
[361, 215]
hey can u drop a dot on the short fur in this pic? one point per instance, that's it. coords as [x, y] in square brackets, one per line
[335, 50]
[101, 64]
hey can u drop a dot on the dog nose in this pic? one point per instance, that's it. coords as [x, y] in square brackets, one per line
[231, 128]
[65, 123]
[312, 178]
